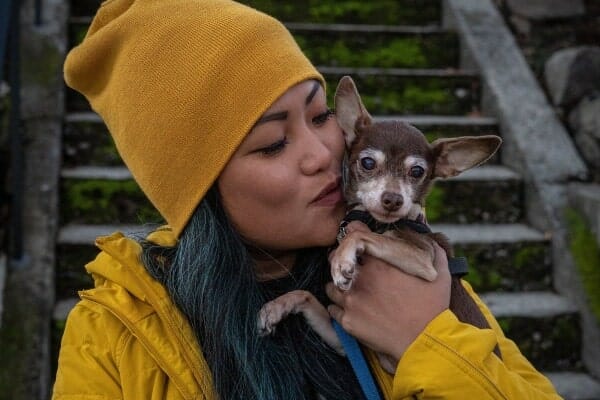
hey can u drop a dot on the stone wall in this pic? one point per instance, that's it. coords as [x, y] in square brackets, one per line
[559, 39]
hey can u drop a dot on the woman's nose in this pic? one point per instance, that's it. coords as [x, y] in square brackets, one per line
[317, 155]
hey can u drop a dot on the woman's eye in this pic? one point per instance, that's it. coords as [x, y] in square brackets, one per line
[322, 118]
[417, 171]
[368, 163]
[274, 148]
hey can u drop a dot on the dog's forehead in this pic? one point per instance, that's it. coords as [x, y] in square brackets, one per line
[396, 137]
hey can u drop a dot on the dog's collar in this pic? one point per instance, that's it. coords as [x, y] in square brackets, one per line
[458, 265]
[379, 227]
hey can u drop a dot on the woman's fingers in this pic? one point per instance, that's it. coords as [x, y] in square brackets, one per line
[357, 226]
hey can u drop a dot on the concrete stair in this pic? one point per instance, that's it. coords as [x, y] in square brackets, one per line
[482, 211]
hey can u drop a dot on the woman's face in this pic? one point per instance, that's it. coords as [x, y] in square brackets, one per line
[282, 187]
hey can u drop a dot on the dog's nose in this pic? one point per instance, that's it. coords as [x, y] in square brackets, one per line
[391, 201]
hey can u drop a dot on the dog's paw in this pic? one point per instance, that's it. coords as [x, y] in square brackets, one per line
[269, 316]
[343, 272]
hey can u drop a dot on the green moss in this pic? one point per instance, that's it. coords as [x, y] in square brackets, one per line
[475, 278]
[96, 194]
[352, 11]
[492, 266]
[78, 33]
[586, 253]
[527, 256]
[435, 204]
[105, 201]
[550, 343]
[398, 53]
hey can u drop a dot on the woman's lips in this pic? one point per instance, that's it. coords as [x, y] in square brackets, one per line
[331, 195]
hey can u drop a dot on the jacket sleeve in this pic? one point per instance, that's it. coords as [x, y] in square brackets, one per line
[454, 360]
[87, 368]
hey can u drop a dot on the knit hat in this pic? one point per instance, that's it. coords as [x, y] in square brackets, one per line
[179, 84]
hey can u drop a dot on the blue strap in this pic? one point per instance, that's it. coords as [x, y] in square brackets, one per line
[358, 362]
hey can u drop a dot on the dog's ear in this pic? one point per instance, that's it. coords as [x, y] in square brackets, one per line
[455, 155]
[349, 109]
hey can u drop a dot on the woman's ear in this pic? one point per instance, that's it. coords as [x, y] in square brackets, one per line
[455, 155]
[349, 109]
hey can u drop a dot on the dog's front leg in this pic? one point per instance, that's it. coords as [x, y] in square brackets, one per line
[299, 302]
[408, 251]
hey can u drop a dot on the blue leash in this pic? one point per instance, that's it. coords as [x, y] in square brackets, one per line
[358, 362]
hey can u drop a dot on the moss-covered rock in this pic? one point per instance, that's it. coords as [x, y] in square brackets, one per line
[98, 201]
[382, 50]
[586, 252]
[508, 267]
[88, 143]
[398, 95]
[551, 344]
[393, 12]
[457, 201]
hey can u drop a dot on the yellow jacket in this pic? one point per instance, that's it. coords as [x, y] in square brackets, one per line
[126, 340]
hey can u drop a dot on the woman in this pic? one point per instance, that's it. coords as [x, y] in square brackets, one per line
[224, 124]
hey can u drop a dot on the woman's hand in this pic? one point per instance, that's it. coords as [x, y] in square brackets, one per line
[386, 309]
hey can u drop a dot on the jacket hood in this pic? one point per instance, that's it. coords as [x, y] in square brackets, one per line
[124, 287]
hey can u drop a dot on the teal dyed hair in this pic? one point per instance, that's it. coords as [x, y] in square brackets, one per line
[210, 276]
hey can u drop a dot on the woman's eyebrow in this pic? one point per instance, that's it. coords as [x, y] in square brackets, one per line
[313, 91]
[283, 114]
[272, 117]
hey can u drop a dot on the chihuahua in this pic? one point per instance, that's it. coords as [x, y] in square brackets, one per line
[388, 171]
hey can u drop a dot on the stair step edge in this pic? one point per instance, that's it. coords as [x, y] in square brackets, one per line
[489, 233]
[575, 385]
[408, 72]
[457, 233]
[421, 120]
[119, 173]
[443, 120]
[432, 29]
[79, 234]
[115, 173]
[527, 304]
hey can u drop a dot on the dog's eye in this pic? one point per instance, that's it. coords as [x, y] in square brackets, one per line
[367, 163]
[417, 171]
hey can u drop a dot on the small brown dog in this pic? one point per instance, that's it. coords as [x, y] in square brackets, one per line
[390, 169]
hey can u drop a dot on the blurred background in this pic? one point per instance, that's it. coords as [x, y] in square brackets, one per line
[528, 220]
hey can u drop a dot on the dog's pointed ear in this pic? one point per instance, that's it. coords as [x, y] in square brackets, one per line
[349, 109]
[455, 155]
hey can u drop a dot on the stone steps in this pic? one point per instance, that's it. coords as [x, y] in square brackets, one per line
[419, 120]
[495, 173]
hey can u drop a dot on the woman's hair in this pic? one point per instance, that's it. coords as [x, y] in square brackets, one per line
[210, 277]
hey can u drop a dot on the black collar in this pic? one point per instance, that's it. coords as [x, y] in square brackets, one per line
[380, 227]
[458, 265]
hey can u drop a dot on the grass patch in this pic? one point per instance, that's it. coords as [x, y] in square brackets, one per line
[586, 252]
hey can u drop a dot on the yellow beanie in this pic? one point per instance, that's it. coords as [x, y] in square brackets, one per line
[179, 84]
